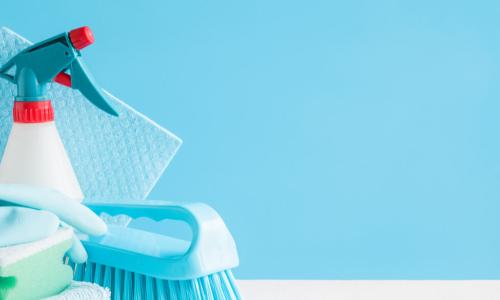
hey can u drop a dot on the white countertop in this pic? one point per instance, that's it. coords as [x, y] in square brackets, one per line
[373, 290]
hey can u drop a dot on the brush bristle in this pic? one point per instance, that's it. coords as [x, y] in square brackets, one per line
[125, 285]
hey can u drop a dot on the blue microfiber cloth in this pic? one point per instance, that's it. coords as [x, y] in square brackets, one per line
[29, 213]
[115, 159]
[20, 225]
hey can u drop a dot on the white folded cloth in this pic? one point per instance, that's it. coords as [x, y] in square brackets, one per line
[83, 291]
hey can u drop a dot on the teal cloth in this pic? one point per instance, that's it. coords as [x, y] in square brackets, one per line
[29, 213]
[21, 225]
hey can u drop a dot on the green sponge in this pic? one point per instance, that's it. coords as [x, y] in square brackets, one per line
[35, 270]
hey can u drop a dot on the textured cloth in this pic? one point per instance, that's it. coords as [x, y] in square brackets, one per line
[82, 291]
[114, 158]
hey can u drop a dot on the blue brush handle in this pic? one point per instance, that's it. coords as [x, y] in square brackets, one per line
[212, 247]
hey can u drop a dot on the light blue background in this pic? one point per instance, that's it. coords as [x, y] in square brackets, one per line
[353, 140]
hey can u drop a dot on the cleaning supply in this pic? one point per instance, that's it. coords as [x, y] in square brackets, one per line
[114, 158]
[144, 264]
[82, 291]
[34, 128]
[21, 226]
[35, 270]
[33, 240]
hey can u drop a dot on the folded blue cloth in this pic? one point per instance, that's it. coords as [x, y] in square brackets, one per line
[23, 225]
[29, 213]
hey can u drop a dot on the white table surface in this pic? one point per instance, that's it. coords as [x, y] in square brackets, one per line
[360, 289]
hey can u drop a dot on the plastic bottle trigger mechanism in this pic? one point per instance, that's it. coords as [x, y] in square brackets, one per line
[34, 153]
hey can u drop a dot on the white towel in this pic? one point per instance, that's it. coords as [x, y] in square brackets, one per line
[83, 291]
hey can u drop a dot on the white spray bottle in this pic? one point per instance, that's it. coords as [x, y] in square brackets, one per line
[34, 154]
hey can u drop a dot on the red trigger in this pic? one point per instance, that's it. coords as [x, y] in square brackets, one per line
[63, 78]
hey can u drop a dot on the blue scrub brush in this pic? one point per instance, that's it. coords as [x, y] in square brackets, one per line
[143, 264]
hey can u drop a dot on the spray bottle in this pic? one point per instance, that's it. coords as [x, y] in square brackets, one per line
[34, 154]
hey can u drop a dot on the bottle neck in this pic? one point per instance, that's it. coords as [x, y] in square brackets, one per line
[33, 111]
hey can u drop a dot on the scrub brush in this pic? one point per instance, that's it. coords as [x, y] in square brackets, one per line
[140, 264]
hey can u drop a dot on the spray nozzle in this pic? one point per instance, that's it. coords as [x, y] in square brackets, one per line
[55, 59]
[81, 37]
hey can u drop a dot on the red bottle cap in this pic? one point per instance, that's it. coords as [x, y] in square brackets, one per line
[33, 111]
[81, 37]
